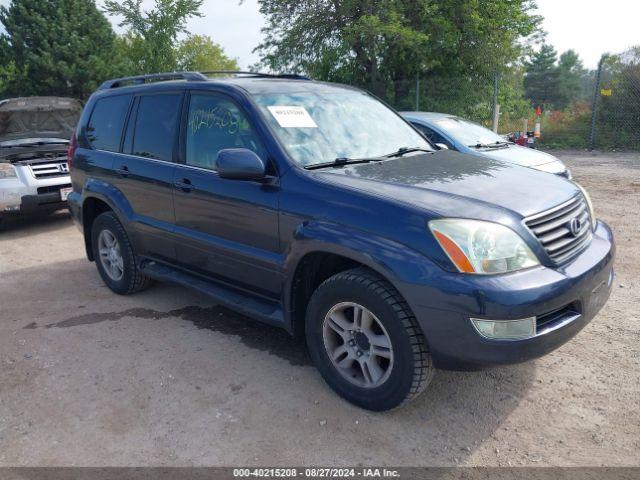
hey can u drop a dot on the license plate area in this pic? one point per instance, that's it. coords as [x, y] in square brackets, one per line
[64, 193]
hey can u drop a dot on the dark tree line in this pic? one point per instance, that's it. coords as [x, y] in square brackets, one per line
[384, 45]
[554, 82]
[68, 47]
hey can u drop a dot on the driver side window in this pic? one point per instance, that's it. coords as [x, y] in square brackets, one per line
[433, 136]
[215, 123]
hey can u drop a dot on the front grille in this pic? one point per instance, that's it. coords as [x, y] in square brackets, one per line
[55, 168]
[553, 229]
[51, 189]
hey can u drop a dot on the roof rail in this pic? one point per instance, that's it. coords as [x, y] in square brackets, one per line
[293, 76]
[154, 77]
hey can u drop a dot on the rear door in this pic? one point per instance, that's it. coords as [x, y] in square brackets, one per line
[145, 171]
[226, 229]
[100, 140]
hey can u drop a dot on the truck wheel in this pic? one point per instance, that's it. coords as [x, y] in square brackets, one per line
[114, 256]
[365, 341]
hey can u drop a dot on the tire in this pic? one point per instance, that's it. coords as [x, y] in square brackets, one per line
[406, 365]
[131, 280]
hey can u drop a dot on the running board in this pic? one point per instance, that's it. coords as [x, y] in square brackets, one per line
[263, 310]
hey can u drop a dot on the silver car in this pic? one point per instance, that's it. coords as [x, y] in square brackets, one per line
[462, 135]
[34, 139]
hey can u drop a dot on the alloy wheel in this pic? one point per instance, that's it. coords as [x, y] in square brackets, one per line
[357, 344]
[110, 255]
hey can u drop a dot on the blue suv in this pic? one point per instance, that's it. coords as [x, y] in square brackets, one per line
[316, 208]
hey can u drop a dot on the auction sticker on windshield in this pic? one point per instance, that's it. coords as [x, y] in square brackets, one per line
[292, 116]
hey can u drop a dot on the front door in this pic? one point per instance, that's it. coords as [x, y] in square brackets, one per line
[225, 229]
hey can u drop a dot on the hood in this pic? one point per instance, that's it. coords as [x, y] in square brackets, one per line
[34, 118]
[527, 157]
[445, 181]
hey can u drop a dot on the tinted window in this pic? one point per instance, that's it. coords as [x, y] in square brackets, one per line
[216, 123]
[156, 126]
[105, 127]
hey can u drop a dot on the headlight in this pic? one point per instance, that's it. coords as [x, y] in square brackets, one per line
[482, 247]
[592, 212]
[7, 170]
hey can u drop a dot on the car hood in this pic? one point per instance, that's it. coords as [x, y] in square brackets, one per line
[445, 182]
[527, 157]
[38, 117]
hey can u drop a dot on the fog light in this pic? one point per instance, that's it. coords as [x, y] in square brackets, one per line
[506, 329]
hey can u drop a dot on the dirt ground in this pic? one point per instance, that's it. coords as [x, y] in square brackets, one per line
[167, 378]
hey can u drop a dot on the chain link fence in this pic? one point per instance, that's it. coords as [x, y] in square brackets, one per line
[616, 105]
[606, 118]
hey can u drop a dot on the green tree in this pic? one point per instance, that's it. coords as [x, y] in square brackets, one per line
[55, 47]
[569, 87]
[383, 45]
[152, 34]
[541, 79]
[132, 50]
[201, 53]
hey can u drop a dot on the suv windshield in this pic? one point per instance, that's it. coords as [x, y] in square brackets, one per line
[468, 133]
[321, 127]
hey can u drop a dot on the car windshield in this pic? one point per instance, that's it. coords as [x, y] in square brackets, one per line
[319, 127]
[468, 133]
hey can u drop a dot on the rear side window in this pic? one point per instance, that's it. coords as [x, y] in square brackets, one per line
[156, 126]
[104, 130]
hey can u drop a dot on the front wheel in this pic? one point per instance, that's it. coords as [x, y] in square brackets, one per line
[366, 342]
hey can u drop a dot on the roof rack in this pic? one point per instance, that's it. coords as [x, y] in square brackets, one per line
[292, 76]
[154, 77]
[190, 77]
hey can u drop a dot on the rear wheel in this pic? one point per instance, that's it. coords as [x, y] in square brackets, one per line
[114, 256]
[366, 342]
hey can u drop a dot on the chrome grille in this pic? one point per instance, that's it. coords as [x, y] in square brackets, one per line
[553, 228]
[54, 168]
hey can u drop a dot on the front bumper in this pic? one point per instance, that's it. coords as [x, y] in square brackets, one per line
[577, 290]
[43, 202]
[30, 204]
[25, 194]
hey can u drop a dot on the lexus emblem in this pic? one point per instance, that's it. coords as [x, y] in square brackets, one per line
[63, 168]
[575, 226]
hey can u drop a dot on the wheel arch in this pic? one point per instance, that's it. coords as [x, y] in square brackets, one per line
[99, 197]
[92, 207]
[323, 250]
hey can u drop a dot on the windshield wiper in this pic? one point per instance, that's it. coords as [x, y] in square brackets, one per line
[489, 145]
[404, 150]
[339, 162]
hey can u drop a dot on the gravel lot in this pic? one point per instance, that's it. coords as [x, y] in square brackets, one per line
[166, 378]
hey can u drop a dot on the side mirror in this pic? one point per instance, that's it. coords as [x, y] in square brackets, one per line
[240, 164]
[442, 146]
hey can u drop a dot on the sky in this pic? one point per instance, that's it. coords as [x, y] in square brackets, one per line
[589, 27]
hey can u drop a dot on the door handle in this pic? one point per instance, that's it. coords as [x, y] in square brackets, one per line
[123, 171]
[185, 185]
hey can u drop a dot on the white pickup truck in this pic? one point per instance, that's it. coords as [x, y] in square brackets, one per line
[34, 138]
